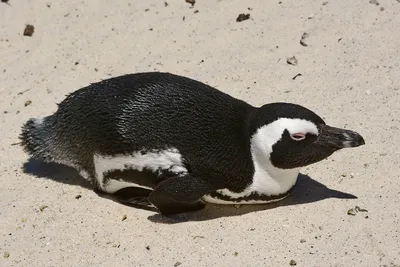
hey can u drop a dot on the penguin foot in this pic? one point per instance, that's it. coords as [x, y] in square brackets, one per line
[177, 208]
[179, 194]
[134, 197]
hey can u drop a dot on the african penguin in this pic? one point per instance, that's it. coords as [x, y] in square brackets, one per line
[173, 143]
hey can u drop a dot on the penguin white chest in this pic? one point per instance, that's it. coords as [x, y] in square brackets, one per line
[268, 186]
[155, 161]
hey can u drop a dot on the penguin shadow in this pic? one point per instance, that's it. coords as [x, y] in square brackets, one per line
[56, 172]
[306, 190]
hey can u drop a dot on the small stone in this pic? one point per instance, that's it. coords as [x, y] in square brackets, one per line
[235, 254]
[303, 38]
[6, 254]
[4, 1]
[242, 17]
[124, 217]
[43, 207]
[192, 2]
[29, 30]
[148, 247]
[382, 8]
[302, 240]
[358, 209]
[325, 3]
[292, 61]
[368, 92]
[78, 196]
[27, 103]
[177, 264]
[320, 228]
[165, 4]
[294, 78]
[374, 2]
[351, 212]
[292, 263]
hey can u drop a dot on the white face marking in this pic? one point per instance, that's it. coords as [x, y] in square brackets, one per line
[267, 179]
[151, 160]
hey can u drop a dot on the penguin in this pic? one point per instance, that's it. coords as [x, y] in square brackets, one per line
[161, 140]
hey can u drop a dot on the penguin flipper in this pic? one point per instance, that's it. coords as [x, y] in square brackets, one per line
[179, 194]
[134, 197]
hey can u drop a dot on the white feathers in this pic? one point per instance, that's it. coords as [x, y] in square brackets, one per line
[38, 121]
[153, 160]
[113, 185]
[210, 199]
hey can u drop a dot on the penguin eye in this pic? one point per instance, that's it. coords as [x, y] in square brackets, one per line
[298, 136]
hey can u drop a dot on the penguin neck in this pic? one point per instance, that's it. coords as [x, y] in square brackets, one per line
[268, 179]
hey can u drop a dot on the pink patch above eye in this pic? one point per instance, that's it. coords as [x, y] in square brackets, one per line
[298, 135]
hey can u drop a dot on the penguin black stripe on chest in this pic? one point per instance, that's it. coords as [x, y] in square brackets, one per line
[185, 142]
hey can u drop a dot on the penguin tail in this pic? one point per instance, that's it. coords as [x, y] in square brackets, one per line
[35, 139]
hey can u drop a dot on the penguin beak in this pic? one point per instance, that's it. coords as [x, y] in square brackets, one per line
[338, 138]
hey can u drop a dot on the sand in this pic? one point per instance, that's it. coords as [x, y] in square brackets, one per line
[350, 75]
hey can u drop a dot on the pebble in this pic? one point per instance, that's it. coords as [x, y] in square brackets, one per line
[293, 263]
[6, 254]
[43, 207]
[29, 30]
[351, 212]
[303, 38]
[192, 2]
[292, 61]
[242, 17]
[374, 2]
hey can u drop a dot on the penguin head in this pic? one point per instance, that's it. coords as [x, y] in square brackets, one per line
[290, 136]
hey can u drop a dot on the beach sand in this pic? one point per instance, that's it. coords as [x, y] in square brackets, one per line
[350, 75]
